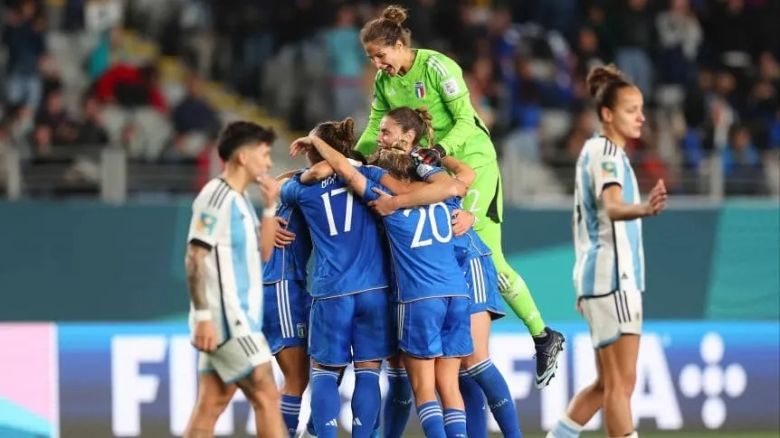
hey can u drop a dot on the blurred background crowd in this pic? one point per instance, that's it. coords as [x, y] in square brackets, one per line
[132, 93]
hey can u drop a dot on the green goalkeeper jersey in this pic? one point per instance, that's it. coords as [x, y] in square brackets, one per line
[436, 82]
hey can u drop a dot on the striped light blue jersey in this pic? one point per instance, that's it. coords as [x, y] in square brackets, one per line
[348, 249]
[422, 249]
[609, 254]
[289, 262]
[225, 222]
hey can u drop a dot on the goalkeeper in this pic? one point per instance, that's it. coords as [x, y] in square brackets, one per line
[425, 78]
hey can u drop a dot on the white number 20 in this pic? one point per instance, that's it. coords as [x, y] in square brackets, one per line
[429, 214]
[329, 210]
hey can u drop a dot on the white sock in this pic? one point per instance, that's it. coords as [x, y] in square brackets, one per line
[565, 428]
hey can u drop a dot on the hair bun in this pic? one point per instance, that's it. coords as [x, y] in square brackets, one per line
[601, 76]
[394, 13]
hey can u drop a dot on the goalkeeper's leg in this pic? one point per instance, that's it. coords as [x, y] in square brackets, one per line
[484, 199]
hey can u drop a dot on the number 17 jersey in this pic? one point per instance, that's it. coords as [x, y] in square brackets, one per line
[348, 246]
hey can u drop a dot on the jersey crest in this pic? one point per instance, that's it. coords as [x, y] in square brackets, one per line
[419, 90]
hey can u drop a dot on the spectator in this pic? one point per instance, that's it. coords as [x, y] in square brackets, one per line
[637, 41]
[53, 125]
[24, 37]
[680, 35]
[92, 130]
[346, 61]
[195, 122]
[130, 87]
[742, 164]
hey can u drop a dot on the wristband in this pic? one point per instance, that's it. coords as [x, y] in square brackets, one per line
[202, 315]
[270, 211]
[441, 149]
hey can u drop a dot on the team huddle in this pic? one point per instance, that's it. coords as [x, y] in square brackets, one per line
[388, 249]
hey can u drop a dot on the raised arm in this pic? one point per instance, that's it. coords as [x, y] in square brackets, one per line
[462, 171]
[317, 172]
[269, 192]
[440, 186]
[340, 164]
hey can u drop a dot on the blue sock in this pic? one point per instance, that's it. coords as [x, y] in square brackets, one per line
[474, 400]
[377, 432]
[398, 403]
[431, 419]
[366, 400]
[325, 402]
[310, 426]
[455, 423]
[291, 409]
[499, 399]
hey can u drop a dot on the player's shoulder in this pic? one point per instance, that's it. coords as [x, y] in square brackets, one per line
[214, 194]
[601, 146]
[438, 63]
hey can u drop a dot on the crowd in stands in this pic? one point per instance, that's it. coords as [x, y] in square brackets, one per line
[709, 71]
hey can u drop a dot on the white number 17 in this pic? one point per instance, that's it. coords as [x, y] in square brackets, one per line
[329, 210]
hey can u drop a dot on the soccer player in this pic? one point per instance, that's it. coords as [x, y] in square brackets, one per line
[224, 279]
[609, 271]
[419, 77]
[351, 318]
[401, 129]
[433, 314]
[286, 311]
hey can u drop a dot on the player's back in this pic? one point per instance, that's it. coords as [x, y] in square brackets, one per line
[289, 261]
[423, 252]
[348, 250]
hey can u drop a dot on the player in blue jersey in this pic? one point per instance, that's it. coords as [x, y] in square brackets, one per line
[609, 266]
[351, 317]
[286, 311]
[431, 292]
[400, 129]
[223, 265]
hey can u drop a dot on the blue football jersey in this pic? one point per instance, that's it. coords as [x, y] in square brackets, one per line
[468, 246]
[348, 250]
[289, 263]
[422, 250]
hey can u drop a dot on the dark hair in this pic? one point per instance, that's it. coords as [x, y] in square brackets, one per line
[398, 164]
[418, 119]
[241, 133]
[340, 135]
[603, 85]
[387, 28]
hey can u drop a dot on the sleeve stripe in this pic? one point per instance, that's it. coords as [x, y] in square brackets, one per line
[200, 243]
[440, 68]
[222, 196]
[219, 194]
[609, 148]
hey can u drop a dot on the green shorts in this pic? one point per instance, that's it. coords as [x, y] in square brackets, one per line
[485, 198]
